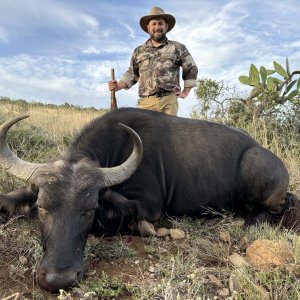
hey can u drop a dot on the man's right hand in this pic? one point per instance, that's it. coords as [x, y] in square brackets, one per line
[116, 85]
[113, 85]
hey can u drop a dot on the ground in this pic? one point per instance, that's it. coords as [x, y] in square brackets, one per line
[122, 263]
[207, 263]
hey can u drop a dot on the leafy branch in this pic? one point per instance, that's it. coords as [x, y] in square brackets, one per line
[269, 91]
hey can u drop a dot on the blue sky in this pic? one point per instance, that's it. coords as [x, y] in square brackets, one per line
[57, 51]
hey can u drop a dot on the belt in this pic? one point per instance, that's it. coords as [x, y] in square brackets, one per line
[158, 94]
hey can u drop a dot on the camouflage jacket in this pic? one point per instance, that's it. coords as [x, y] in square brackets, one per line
[158, 68]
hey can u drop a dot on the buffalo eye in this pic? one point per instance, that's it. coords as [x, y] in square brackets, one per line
[88, 213]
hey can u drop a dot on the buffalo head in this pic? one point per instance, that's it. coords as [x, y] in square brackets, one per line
[67, 195]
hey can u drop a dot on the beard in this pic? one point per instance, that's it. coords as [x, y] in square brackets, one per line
[159, 38]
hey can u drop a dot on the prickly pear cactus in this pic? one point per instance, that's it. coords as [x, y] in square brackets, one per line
[269, 91]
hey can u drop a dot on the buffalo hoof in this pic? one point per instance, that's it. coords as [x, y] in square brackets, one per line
[145, 229]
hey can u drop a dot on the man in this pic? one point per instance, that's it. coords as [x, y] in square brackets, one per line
[156, 65]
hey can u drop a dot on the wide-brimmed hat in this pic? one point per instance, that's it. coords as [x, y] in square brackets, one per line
[157, 12]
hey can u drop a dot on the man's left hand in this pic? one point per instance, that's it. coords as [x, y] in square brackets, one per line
[184, 93]
[181, 95]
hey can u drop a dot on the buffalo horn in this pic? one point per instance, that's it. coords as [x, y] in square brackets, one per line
[118, 174]
[9, 161]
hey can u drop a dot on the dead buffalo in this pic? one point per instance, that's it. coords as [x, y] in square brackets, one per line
[107, 182]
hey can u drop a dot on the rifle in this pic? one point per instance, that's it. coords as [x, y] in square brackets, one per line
[113, 100]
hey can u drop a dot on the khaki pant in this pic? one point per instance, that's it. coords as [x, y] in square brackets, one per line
[167, 104]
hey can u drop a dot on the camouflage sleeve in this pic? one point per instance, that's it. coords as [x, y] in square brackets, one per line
[131, 77]
[189, 68]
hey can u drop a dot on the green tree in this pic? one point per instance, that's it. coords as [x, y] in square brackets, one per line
[271, 94]
[275, 94]
[214, 98]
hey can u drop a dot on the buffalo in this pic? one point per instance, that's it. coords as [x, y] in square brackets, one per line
[129, 167]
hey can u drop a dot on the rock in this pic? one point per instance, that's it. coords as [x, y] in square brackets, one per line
[268, 253]
[162, 232]
[89, 295]
[237, 260]
[92, 241]
[152, 269]
[224, 292]
[225, 237]
[243, 243]
[22, 259]
[234, 283]
[177, 234]
[215, 280]
[162, 250]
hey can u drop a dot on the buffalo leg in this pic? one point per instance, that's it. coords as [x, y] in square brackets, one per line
[124, 208]
[20, 201]
[264, 183]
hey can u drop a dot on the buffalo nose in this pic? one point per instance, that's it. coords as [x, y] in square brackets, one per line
[53, 280]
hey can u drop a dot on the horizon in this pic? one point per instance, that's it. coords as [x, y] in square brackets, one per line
[63, 51]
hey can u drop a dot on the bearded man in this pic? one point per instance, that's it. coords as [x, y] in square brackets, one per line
[156, 66]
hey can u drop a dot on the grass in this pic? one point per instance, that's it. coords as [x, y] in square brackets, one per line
[186, 275]
[107, 287]
[58, 121]
[112, 250]
[24, 245]
[194, 268]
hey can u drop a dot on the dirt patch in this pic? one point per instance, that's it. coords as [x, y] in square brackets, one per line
[207, 263]
[129, 260]
[127, 269]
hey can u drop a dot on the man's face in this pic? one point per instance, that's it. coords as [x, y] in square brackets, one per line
[157, 29]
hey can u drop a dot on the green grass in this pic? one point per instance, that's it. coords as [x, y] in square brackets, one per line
[106, 287]
[112, 250]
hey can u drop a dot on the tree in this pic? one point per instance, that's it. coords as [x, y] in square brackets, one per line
[276, 96]
[269, 94]
[213, 99]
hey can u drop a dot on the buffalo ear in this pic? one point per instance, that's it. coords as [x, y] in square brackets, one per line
[19, 202]
[118, 174]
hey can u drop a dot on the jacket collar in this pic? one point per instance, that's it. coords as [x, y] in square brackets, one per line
[149, 44]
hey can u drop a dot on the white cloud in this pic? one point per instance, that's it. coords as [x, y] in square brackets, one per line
[130, 30]
[63, 51]
[59, 80]
[224, 40]
[92, 50]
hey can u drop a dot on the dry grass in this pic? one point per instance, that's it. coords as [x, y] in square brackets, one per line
[57, 121]
[195, 268]
[284, 143]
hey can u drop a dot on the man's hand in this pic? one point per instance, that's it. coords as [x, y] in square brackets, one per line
[181, 94]
[184, 93]
[114, 85]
